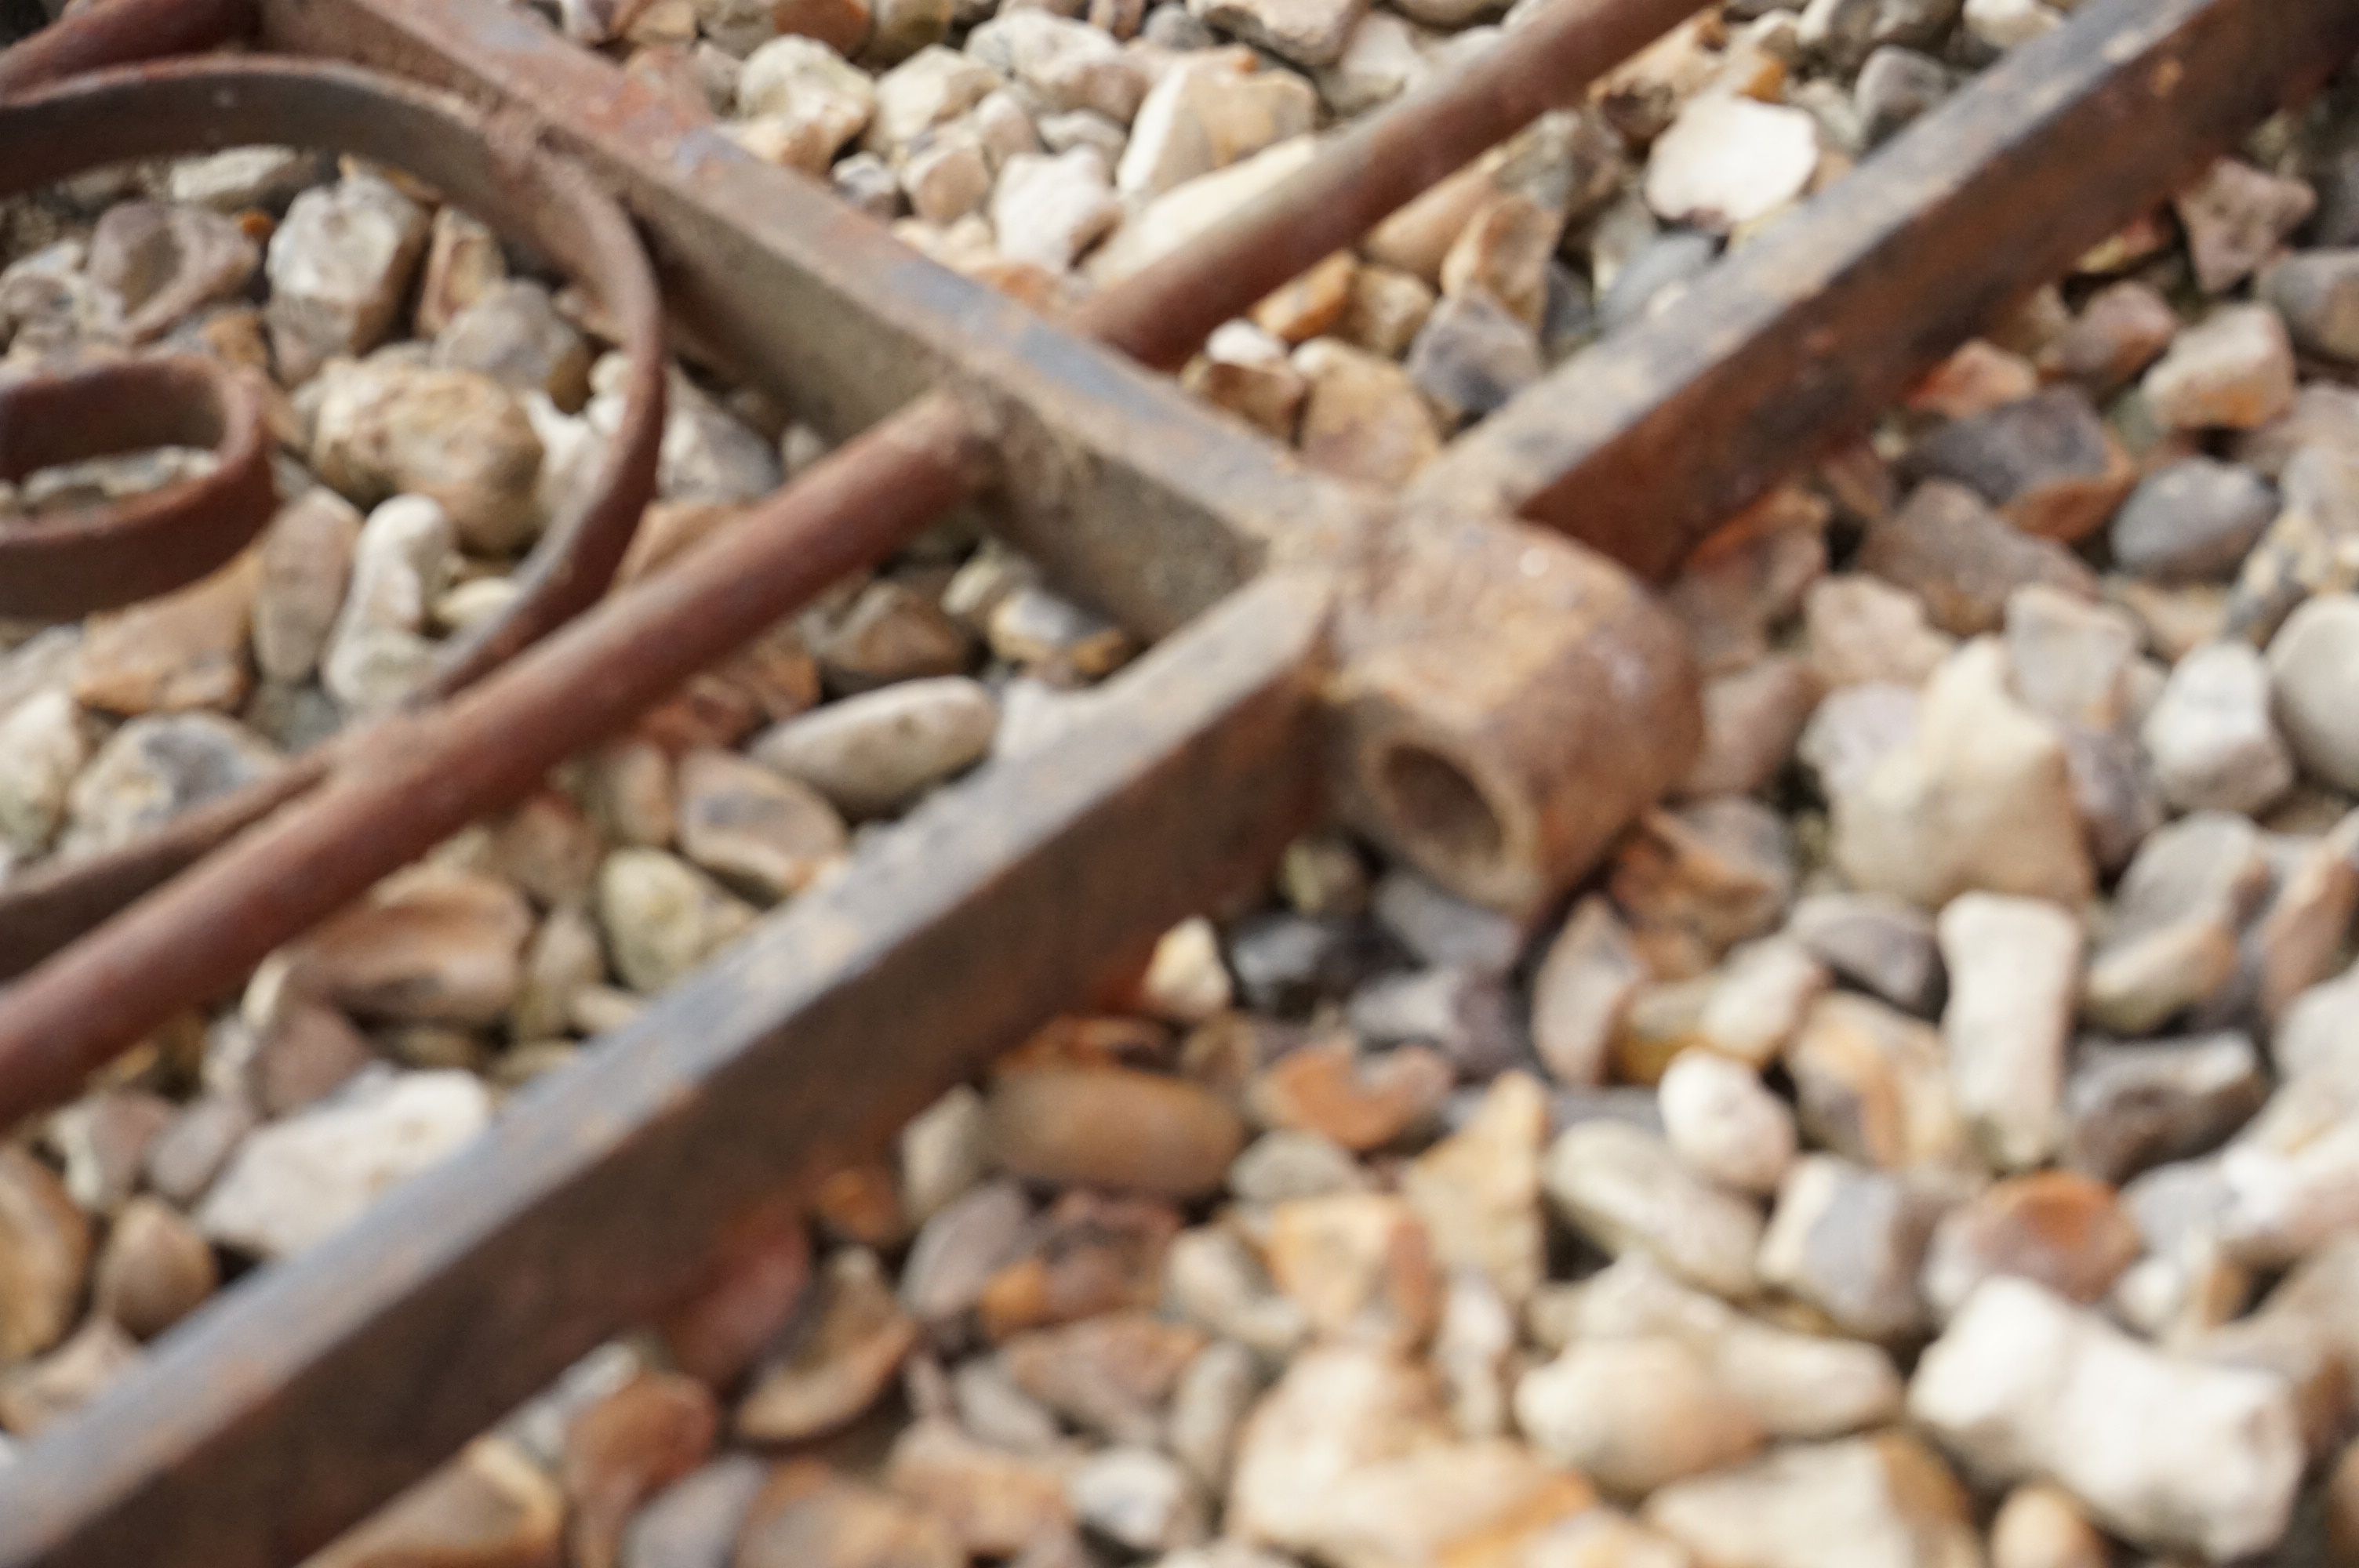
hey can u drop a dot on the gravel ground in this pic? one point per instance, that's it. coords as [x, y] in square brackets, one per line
[1924, 1144]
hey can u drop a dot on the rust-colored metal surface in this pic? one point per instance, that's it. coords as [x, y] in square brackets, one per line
[99, 557]
[1369, 172]
[260, 1429]
[1492, 699]
[403, 784]
[1643, 444]
[493, 165]
[117, 32]
[1536, 804]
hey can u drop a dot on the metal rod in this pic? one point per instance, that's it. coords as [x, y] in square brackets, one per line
[117, 32]
[418, 778]
[263, 1426]
[1376, 166]
[391, 798]
[1648, 440]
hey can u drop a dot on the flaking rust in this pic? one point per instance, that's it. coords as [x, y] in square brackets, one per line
[157, 540]
[1491, 701]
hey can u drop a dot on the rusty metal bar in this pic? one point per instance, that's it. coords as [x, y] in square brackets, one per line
[1369, 170]
[99, 557]
[261, 1429]
[1643, 444]
[395, 796]
[116, 32]
[498, 170]
[1131, 491]
[414, 779]
[358, 1366]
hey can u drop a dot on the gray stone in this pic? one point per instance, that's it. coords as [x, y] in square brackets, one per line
[295, 1181]
[2234, 216]
[2069, 660]
[1625, 1190]
[1896, 86]
[339, 265]
[695, 1521]
[1140, 1498]
[1471, 356]
[2130, 1107]
[513, 334]
[876, 752]
[1850, 1241]
[154, 768]
[961, 1248]
[1752, 719]
[307, 562]
[708, 453]
[2171, 943]
[2191, 520]
[1445, 930]
[377, 653]
[2046, 462]
[2234, 370]
[1585, 981]
[1874, 941]
[2314, 667]
[2317, 292]
[166, 262]
[1947, 546]
[1658, 272]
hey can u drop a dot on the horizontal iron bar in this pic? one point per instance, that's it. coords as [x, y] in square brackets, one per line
[1130, 489]
[268, 1423]
[1643, 443]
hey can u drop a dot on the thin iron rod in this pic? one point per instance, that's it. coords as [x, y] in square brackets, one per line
[424, 777]
[1160, 315]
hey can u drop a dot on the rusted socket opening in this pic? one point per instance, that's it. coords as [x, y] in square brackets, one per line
[1436, 807]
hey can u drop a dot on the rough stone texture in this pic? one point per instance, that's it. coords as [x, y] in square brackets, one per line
[1633, 1414]
[1979, 797]
[1866, 1502]
[2211, 738]
[295, 1181]
[1948, 546]
[2175, 1455]
[1625, 1189]
[2317, 686]
[2013, 965]
[2046, 462]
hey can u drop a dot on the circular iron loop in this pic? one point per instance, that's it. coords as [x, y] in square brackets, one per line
[98, 556]
[497, 169]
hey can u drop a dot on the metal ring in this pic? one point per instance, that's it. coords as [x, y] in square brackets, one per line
[100, 556]
[500, 170]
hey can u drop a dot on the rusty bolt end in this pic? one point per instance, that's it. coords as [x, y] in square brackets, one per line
[1506, 701]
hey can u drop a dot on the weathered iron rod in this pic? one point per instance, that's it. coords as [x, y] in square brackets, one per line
[116, 32]
[264, 1425]
[390, 799]
[1169, 307]
[416, 778]
[1806, 334]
